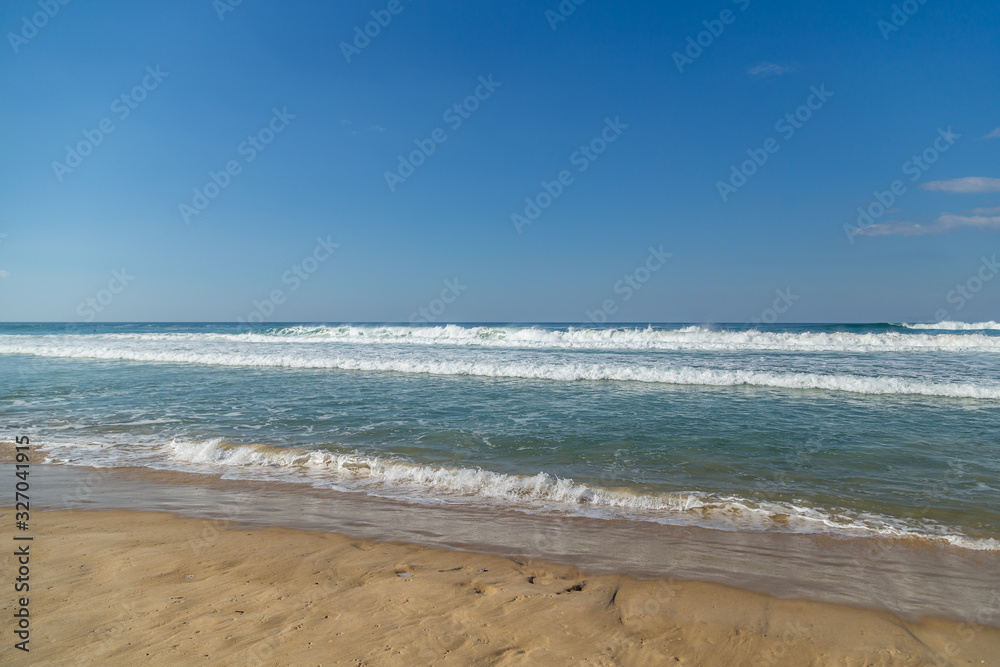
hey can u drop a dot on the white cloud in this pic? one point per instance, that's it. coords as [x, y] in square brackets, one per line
[995, 134]
[946, 222]
[965, 185]
[769, 69]
[986, 211]
[4, 274]
[952, 221]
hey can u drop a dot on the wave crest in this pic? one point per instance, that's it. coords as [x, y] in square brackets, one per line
[566, 370]
[956, 326]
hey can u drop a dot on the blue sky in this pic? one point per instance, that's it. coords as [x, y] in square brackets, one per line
[200, 90]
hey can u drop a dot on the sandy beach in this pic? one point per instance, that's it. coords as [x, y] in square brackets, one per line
[500, 334]
[126, 588]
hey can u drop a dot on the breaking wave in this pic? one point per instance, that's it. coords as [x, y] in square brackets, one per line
[407, 481]
[957, 326]
[565, 368]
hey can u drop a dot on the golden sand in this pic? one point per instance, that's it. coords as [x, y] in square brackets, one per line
[136, 588]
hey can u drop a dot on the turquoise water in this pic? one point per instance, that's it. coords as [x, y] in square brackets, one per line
[850, 429]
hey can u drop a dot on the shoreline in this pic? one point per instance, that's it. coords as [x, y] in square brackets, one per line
[907, 578]
[139, 566]
[539, 491]
[152, 586]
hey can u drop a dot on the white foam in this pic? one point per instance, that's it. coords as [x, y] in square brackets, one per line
[565, 368]
[690, 338]
[544, 493]
[947, 325]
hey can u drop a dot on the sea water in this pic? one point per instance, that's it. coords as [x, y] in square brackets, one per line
[855, 430]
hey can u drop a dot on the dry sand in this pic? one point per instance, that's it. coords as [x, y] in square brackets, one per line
[134, 588]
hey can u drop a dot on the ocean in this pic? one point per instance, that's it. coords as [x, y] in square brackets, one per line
[874, 430]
